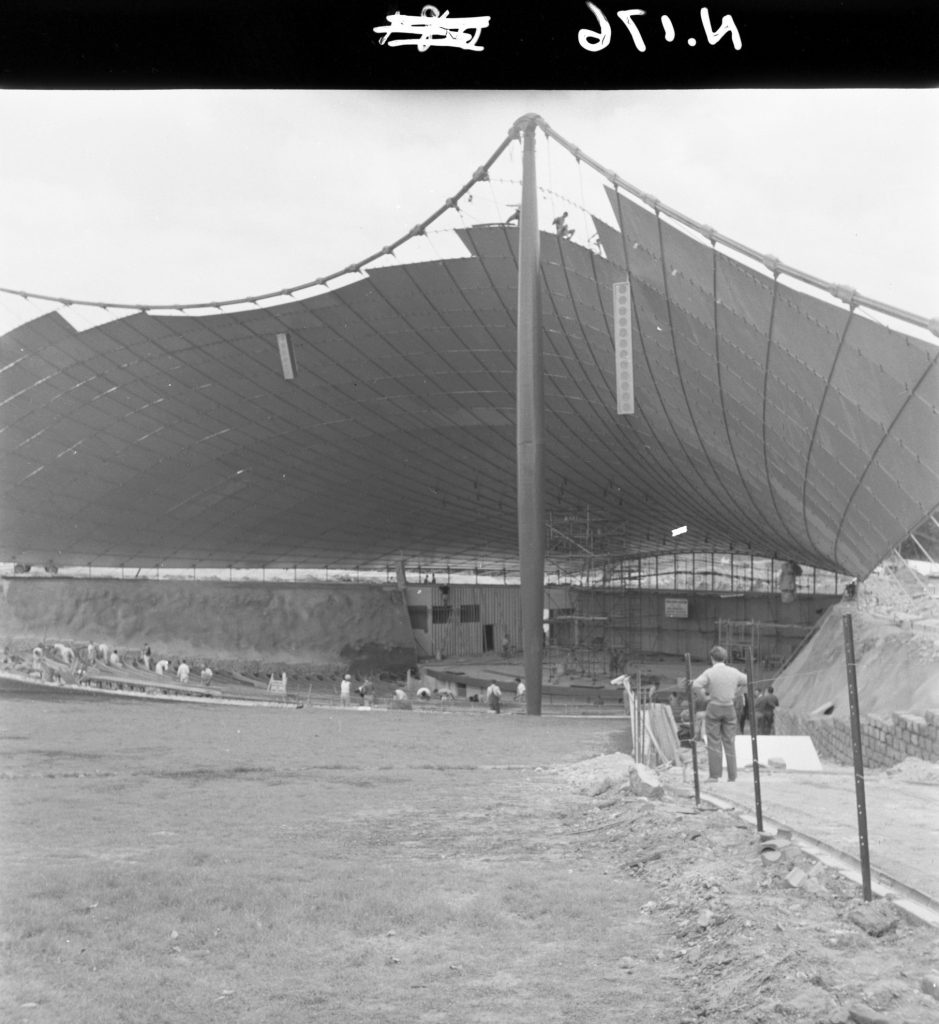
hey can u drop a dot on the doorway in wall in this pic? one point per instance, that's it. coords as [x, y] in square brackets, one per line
[489, 643]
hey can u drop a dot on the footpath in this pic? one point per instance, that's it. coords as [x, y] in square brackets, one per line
[901, 803]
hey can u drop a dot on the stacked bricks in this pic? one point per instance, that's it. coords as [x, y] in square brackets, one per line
[885, 739]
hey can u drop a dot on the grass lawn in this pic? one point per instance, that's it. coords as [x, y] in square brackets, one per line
[166, 863]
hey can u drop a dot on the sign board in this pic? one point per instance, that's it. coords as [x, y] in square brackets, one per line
[288, 365]
[623, 346]
[676, 607]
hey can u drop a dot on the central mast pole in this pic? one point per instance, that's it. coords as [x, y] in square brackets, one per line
[529, 405]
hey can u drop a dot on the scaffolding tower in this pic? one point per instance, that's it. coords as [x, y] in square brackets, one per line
[591, 648]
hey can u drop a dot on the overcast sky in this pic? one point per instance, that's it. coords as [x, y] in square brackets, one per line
[188, 196]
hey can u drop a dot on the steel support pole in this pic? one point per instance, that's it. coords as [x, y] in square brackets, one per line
[854, 708]
[529, 403]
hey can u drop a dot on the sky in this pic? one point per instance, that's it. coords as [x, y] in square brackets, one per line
[180, 197]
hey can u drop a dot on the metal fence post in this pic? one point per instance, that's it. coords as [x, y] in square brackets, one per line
[751, 718]
[854, 707]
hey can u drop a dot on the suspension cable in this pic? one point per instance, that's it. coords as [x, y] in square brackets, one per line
[841, 292]
[480, 174]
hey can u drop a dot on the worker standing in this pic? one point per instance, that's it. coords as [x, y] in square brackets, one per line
[721, 683]
[766, 705]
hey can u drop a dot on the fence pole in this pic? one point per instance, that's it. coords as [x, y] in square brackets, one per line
[694, 729]
[751, 718]
[848, 627]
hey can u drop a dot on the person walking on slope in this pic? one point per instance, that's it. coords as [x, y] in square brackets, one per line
[720, 683]
[494, 696]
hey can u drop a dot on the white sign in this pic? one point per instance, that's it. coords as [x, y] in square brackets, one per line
[676, 607]
[623, 346]
[288, 364]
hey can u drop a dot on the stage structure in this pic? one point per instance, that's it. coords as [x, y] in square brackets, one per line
[377, 416]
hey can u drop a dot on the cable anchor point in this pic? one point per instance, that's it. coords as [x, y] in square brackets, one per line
[847, 294]
[772, 264]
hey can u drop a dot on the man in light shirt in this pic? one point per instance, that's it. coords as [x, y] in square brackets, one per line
[182, 673]
[721, 683]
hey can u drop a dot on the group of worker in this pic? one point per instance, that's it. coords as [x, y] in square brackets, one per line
[366, 694]
[89, 655]
[765, 704]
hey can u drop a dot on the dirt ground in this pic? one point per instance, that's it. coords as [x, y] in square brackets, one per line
[696, 925]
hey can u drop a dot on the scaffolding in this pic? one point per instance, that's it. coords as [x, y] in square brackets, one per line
[587, 550]
[588, 645]
[585, 546]
[595, 639]
[763, 638]
[577, 648]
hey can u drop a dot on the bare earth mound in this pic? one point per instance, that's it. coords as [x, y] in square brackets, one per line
[236, 624]
[897, 667]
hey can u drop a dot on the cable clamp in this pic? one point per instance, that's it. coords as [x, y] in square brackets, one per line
[847, 295]
[772, 264]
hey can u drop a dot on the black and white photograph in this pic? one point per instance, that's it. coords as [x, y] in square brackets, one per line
[469, 551]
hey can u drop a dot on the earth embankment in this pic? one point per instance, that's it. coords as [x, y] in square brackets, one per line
[320, 625]
[897, 667]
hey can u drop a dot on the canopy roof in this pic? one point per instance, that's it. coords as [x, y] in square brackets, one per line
[767, 420]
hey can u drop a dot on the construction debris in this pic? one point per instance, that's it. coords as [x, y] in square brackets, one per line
[763, 932]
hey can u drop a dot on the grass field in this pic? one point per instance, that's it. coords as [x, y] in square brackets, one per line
[168, 863]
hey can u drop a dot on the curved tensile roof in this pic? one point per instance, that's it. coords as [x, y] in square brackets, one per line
[768, 420]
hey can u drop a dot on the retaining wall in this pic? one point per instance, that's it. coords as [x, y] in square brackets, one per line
[885, 739]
